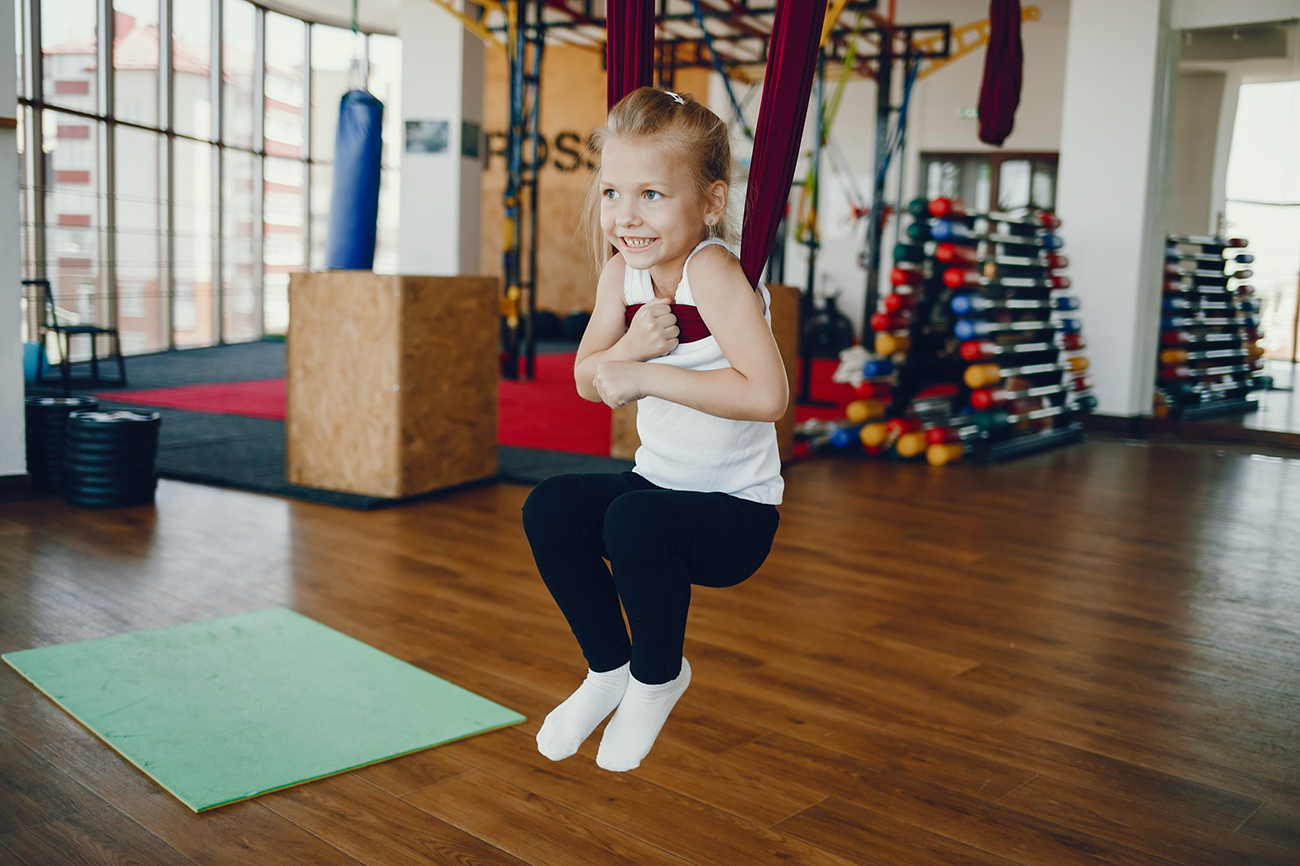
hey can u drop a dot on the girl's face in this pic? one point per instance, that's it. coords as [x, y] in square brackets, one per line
[649, 209]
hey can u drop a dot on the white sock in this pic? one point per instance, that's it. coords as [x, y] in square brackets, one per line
[631, 734]
[569, 724]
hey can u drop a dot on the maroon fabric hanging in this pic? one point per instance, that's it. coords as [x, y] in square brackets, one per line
[1003, 72]
[629, 47]
[791, 67]
[689, 322]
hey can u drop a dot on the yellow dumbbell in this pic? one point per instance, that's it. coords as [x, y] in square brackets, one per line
[980, 375]
[943, 453]
[889, 344]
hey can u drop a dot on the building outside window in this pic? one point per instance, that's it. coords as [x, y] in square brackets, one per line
[185, 239]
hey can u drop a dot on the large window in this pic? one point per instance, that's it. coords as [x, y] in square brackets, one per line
[1005, 182]
[181, 219]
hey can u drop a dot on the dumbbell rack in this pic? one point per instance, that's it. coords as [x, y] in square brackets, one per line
[989, 317]
[1209, 355]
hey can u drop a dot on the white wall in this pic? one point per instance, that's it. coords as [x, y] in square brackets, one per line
[1197, 111]
[12, 453]
[1189, 14]
[442, 75]
[1111, 194]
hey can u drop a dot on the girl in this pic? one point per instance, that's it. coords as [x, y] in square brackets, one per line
[677, 327]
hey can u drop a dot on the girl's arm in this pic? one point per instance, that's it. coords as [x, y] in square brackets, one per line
[753, 389]
[608, 338]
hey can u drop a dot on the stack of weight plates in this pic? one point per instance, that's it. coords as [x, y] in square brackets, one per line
[108, 458]
[47, 418]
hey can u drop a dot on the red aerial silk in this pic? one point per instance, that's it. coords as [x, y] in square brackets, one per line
[690, 324]
[629, 47]
[791, 67]
[1003, 72]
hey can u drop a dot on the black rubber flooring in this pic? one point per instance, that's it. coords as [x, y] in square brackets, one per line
[249, 453]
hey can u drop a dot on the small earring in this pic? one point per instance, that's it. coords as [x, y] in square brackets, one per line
[709, 222]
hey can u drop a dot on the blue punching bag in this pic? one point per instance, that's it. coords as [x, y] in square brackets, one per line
[354, 205]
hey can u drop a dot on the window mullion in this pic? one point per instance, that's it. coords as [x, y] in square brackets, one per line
[306, 147]
[35, 147]
[218, 173]
[259, 171]
[108, 172]
[167, 120]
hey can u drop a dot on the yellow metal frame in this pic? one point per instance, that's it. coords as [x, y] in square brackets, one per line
[475, 27]
[834, 8]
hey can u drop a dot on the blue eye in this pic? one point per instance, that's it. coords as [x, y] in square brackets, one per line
[609, 194]
[653, 194]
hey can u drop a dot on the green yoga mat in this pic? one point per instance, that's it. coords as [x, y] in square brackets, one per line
[226, 709]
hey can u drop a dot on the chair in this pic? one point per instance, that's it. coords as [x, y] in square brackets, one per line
[64, 333]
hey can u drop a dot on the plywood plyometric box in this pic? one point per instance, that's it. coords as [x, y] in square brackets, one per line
[624, 441]
[392, 382]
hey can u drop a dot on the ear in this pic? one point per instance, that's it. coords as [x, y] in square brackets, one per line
[715, 201]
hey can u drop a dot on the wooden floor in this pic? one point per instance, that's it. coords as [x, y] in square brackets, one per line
[1085, 656]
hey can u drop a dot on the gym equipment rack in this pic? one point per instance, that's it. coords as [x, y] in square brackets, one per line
[979, 313]
[1209, 356]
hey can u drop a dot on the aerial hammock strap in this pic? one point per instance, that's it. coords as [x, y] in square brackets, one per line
[1003, 73]
[629, 47]
[791, 66]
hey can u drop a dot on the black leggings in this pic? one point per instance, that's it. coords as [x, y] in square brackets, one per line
[658, 542]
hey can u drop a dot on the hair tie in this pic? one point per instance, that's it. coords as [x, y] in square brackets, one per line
[675, 97]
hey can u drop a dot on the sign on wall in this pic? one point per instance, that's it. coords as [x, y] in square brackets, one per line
[427, 136]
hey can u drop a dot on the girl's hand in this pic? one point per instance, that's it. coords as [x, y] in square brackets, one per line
[653, 331]
[619, 382]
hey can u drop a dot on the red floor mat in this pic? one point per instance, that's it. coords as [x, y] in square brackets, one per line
[546, 413]
[258, 398]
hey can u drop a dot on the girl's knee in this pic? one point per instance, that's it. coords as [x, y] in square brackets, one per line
[629, 529]
[549, 504]
[563, 505]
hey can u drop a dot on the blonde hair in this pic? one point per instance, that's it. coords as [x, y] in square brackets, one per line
[695, 135]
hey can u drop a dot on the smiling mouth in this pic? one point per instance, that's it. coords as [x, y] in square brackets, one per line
[637, 243]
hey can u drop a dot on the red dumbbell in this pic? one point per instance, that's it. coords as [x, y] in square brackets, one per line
[898, 302]
[940, 435]
[945, 207]
[977, 350]
[955, 278]
[951, 254]
[901, 276]
[898, 426]
[865, 389]
[888, 322]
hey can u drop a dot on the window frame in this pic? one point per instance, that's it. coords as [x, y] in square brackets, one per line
[103, 123]
[994, 158]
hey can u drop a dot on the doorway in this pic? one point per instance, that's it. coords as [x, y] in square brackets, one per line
[1233, 174]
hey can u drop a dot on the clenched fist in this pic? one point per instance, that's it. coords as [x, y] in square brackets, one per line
[653, 331]
[619, 382]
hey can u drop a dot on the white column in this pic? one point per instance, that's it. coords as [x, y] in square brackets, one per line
[1112, 188]
[12, 454]
[442, 80]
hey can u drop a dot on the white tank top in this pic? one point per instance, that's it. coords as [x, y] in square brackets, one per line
[685, 449]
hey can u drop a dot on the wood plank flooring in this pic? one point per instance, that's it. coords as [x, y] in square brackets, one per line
[1087, 656]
